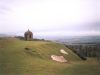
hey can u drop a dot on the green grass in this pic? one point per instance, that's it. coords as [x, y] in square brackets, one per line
[15, 60]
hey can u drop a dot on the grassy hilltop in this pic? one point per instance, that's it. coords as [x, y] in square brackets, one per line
[16, 60]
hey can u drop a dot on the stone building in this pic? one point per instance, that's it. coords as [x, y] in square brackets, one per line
[28, 35]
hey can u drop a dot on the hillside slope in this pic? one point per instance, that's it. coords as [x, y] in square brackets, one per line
[15, 59]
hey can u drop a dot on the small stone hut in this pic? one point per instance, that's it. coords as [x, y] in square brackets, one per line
[28, 35]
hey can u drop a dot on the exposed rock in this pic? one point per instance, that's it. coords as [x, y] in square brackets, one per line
[63, 51]
[58, 58]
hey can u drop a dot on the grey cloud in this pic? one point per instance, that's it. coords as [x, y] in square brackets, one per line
[1, 12]
[91, 26]
[82, 27]
[4, 9]
[6, 1]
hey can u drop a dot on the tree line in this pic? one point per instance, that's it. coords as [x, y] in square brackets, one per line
[86, 50]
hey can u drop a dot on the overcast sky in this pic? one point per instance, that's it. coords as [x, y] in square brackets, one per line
[50, 17]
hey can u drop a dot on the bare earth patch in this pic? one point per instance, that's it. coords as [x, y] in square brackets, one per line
[63, 51]
[58, 58]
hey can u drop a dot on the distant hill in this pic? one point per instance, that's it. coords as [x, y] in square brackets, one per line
[6, 35]
[3, 35]
[80, 39]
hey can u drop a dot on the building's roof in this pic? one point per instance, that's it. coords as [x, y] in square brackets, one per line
[28, 32]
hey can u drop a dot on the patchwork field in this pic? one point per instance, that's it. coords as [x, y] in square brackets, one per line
[16, 59]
